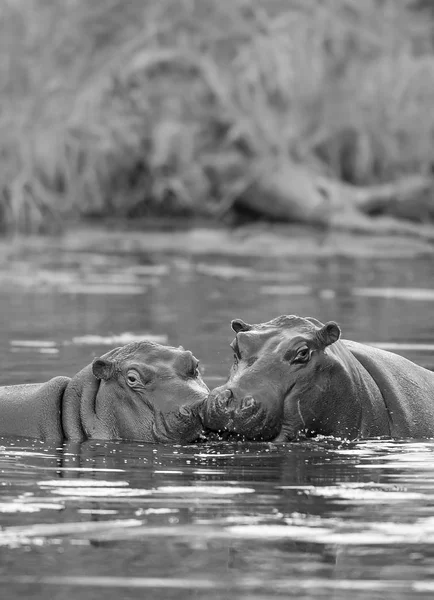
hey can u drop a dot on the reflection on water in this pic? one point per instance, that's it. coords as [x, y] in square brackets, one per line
[316, 519]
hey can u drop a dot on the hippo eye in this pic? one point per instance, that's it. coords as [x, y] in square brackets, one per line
[133, 378]
[302, 355]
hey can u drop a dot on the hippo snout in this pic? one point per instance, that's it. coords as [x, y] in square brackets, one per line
[218, 409]
[225, 412]
[248, 402]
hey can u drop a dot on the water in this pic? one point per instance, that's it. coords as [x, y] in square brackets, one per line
[317, 519]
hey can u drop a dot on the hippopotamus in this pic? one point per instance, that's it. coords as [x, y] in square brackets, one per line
[294, 377]
[142, 391]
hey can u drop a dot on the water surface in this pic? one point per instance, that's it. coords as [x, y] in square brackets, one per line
[316, 519]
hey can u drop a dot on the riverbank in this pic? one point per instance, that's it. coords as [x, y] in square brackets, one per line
[259, 240]
[185, 108]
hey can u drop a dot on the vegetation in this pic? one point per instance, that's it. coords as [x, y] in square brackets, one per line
[128, 108]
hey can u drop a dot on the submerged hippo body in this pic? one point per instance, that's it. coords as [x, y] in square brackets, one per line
[141, 391]
[295, 375]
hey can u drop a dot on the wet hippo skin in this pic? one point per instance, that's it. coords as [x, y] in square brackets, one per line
[142, 391]
[294, 375]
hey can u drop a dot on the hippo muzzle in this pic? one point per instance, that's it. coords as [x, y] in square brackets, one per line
[239, 414]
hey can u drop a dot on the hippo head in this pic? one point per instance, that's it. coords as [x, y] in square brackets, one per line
[142, 391]
[280, 371]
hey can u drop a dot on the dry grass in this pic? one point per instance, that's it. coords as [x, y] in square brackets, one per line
[120, 108]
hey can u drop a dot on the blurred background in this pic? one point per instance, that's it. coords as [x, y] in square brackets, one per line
[290, 110]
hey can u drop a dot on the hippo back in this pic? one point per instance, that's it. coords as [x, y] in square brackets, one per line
[33, 410]
[407, 389]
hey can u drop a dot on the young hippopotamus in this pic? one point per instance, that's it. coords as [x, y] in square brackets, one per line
[294, 375]
[141, 391]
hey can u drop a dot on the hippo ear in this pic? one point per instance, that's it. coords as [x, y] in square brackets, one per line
[239, 325]
[103, 368]
[329, 333]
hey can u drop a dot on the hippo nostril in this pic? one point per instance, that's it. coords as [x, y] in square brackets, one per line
[223, 399]
[248, 402]
[226, 398]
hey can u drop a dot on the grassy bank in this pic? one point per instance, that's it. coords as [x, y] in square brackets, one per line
[163, 106]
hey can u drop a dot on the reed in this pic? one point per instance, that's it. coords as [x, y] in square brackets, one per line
[126, 109]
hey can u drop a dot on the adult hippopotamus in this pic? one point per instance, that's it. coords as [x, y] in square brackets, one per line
[294, 375]
[142, 391]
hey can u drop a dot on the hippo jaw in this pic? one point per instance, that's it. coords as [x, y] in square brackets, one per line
[258, 419]
[294, 424]
[255, 420]
[182, 426]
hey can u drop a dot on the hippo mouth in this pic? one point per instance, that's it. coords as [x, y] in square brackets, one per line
[239, 419]
[183, 425]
